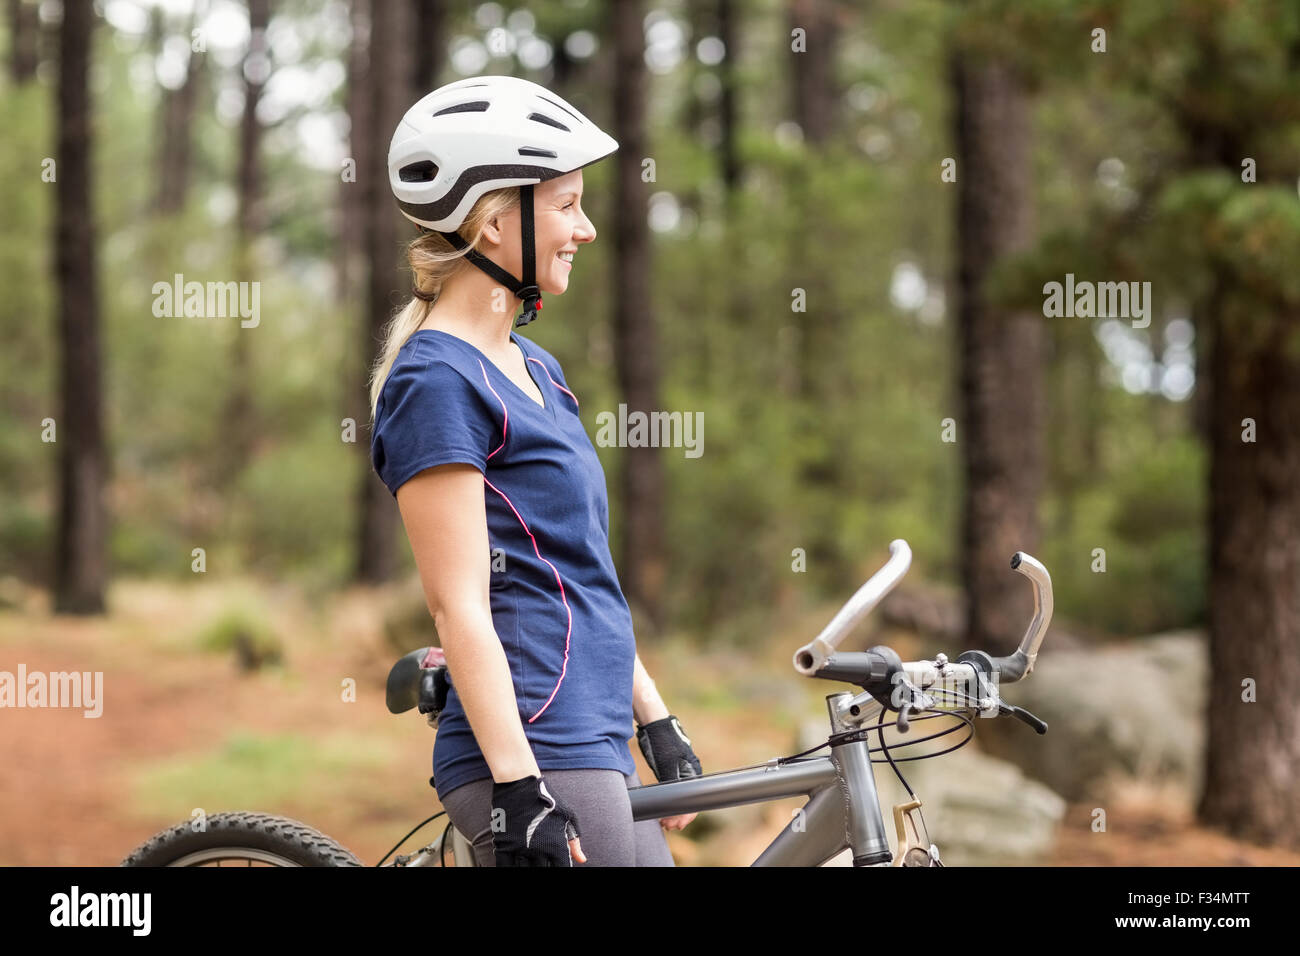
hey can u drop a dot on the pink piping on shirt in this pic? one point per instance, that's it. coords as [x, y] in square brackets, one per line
[563, 669]
[505, 421]
[553, 381]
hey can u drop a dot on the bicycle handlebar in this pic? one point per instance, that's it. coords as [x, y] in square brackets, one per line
[812, 659]
[880, 671]
[1021, 663]
[813, 656]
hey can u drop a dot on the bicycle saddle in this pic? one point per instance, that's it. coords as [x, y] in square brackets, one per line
[412, 682]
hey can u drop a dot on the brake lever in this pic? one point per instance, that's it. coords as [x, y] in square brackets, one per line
[918, 701]
[901, 723]
[1008, 710]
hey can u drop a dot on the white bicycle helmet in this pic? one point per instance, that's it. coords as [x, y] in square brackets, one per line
[480, 134]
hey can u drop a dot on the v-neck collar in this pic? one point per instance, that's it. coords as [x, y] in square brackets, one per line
[548, 401]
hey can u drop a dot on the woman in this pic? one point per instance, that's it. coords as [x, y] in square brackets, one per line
[477, 436]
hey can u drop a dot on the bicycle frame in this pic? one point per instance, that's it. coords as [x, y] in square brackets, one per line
[843, 809]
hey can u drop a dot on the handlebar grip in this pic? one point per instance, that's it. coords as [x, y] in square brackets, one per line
[1011, 669]
[873, 670]
[1008, 669]
[859, 667]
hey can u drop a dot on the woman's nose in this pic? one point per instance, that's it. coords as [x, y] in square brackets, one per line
[586, 231]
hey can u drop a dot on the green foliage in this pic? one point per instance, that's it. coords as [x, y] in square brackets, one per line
[1251, 232]
[26, 359]
[249, 770]
[1158, 520]
[243, 629]
[1148, 517]
[821, 427]
[294, 508]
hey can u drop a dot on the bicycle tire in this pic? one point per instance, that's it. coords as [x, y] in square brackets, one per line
[260, 837]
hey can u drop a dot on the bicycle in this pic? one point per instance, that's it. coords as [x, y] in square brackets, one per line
[843, 811]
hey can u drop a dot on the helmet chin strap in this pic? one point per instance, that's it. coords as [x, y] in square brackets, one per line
[527, 290]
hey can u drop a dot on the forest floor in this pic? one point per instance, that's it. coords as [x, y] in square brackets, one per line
[184, 730]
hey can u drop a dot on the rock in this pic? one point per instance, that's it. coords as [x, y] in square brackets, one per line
[979, 810]
[1135, 709]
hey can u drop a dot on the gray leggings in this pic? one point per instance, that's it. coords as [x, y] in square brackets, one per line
[598, 799]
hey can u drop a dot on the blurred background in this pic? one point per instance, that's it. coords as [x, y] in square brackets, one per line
[830, 230]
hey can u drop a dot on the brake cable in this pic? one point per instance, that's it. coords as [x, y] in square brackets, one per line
[853, 736]
[409, 835]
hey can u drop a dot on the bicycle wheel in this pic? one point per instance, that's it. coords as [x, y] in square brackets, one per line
[241, 839]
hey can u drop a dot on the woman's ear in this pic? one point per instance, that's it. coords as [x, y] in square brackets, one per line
[498, 227]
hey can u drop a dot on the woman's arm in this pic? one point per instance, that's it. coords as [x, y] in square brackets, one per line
[647, 705]
[446, 522]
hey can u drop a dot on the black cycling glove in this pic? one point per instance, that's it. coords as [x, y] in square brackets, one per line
[667, 750]
[535, 827]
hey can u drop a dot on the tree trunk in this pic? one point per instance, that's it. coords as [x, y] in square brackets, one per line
[1252, 769]
[1251, 360]
[429, 44]
[24, 40]
[814, 94]
[257, 70]
[177, 121]
[1001, 352]
[562, 69]
[350, 215]
[729, 34]
[351, 208]
[80, 562]
[816, 348]
[240, 412]
[391, 93]
[636, 349]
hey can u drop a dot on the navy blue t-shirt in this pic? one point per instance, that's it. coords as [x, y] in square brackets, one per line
[557, 606]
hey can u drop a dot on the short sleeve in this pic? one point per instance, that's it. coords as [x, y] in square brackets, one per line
[428, 414]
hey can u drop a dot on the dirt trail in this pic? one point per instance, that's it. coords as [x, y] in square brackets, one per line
[66, 781]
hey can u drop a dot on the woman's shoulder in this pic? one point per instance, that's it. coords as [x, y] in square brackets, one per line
[422, 373]
[428, 356]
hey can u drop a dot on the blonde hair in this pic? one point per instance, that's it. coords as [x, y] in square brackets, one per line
[433, 261]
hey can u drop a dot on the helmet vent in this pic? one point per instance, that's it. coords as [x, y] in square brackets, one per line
[556, 105]
[476, 106]
[536, 151]
[542, 118]
[422, 172]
